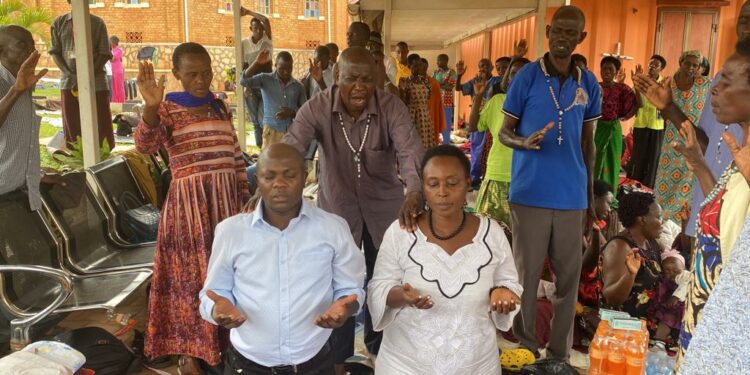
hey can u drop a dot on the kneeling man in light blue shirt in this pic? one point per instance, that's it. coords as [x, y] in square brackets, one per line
[281, 278]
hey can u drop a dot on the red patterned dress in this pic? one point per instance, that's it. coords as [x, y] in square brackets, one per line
[419, 91]
[209, 184]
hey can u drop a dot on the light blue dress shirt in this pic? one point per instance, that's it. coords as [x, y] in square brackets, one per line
[281, 280]
[276, 95]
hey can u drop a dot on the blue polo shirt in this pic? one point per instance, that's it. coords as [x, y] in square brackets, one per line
[553, 177]
[276, 95]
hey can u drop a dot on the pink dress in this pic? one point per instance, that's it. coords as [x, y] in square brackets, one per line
[118, 76]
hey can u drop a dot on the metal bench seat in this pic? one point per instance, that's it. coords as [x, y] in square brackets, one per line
[113, 178]
[88, 246]
[34, 281]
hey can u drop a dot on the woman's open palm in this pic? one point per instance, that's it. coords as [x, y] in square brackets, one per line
[740, 153]
[151, 90]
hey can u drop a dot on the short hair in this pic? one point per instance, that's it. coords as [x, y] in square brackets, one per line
[634, 205]
[611, 60]
[256, 20]
[402, 44]
[601, 188]
[323, 50]
[188, 48]
[363, 27]
[447, 151]
[424, 61]
[485, 60]
[332, 46]
[114, 39]
[576, 57]
[522, 61]
[412, 58]
[502, 59]
[706, 65]
[660, 59]
[285, 56]
[442, 56]
[571, 8]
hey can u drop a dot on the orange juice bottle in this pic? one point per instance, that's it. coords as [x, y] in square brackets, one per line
[598, 350]
[615, 363]
[635, 355]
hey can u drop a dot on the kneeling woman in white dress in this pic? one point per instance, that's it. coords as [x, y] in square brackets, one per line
[440, 293]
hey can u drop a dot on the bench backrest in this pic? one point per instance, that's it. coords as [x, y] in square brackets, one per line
[81, 218]
[25, 239]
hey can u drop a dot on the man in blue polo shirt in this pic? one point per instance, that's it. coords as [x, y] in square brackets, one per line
[477, 138]
[551, 110]
[282, 94]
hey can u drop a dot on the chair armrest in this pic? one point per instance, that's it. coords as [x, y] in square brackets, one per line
[19, 327]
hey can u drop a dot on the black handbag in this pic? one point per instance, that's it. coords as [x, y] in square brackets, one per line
[140, 222]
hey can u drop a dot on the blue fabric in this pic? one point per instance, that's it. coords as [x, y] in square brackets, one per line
[554, 177]
[184, 99]
[281, 280]
[468, 87]
[714, 130]
[478, 140]
[255, 110]
[448, 125]
[276, 95]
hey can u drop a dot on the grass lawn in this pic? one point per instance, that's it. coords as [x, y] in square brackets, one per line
[49, 91]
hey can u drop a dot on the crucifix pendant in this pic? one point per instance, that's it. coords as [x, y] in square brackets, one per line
[559, 140]
[356, 158]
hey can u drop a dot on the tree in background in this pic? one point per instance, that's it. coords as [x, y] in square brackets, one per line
[36, 20]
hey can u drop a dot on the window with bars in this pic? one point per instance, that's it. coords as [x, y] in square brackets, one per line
[312, 8]
[229, 41]
[133, 37]
[226, 5]
[264, 7]
[132, 2]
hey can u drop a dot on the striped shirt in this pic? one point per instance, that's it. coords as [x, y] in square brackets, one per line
[19, 144]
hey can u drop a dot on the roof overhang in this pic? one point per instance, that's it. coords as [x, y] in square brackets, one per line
[435, 24]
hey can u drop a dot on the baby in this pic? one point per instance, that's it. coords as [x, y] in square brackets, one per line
[670, 295]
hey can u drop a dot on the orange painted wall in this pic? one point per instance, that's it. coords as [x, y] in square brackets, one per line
[727, 37]
[502, 38]
[470, 54]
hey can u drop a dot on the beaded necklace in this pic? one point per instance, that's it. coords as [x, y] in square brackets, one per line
[561, 111]
[721, 184]
[357, 152]
[718, 146]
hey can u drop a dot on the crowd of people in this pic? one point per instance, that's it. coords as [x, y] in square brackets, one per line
[570, 216]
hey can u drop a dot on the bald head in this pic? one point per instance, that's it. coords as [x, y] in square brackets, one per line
[570, 12]
[355, 55]
[281, 152]
[14, 33]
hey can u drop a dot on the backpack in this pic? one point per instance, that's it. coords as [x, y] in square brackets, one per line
[105, 353]
[140, 222]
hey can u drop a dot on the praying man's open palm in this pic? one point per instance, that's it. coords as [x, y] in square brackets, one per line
[151, 90]
[27, 76]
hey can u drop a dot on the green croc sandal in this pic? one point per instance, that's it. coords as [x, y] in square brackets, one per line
[515, 359]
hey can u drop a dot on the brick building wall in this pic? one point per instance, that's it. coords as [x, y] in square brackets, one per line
[162, 21]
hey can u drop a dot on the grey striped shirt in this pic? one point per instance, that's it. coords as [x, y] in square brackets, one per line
[19, 144]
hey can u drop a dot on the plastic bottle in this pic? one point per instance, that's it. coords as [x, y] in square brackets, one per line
[635, 355]
[598, 352]
[615, 363]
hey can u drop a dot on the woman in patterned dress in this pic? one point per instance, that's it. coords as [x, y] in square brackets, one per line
[618, 103]
[415, 91]
[727, 202]
[674, 180]
[439, 294]
[209, 184]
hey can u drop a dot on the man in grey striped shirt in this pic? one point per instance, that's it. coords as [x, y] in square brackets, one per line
[19, 124]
